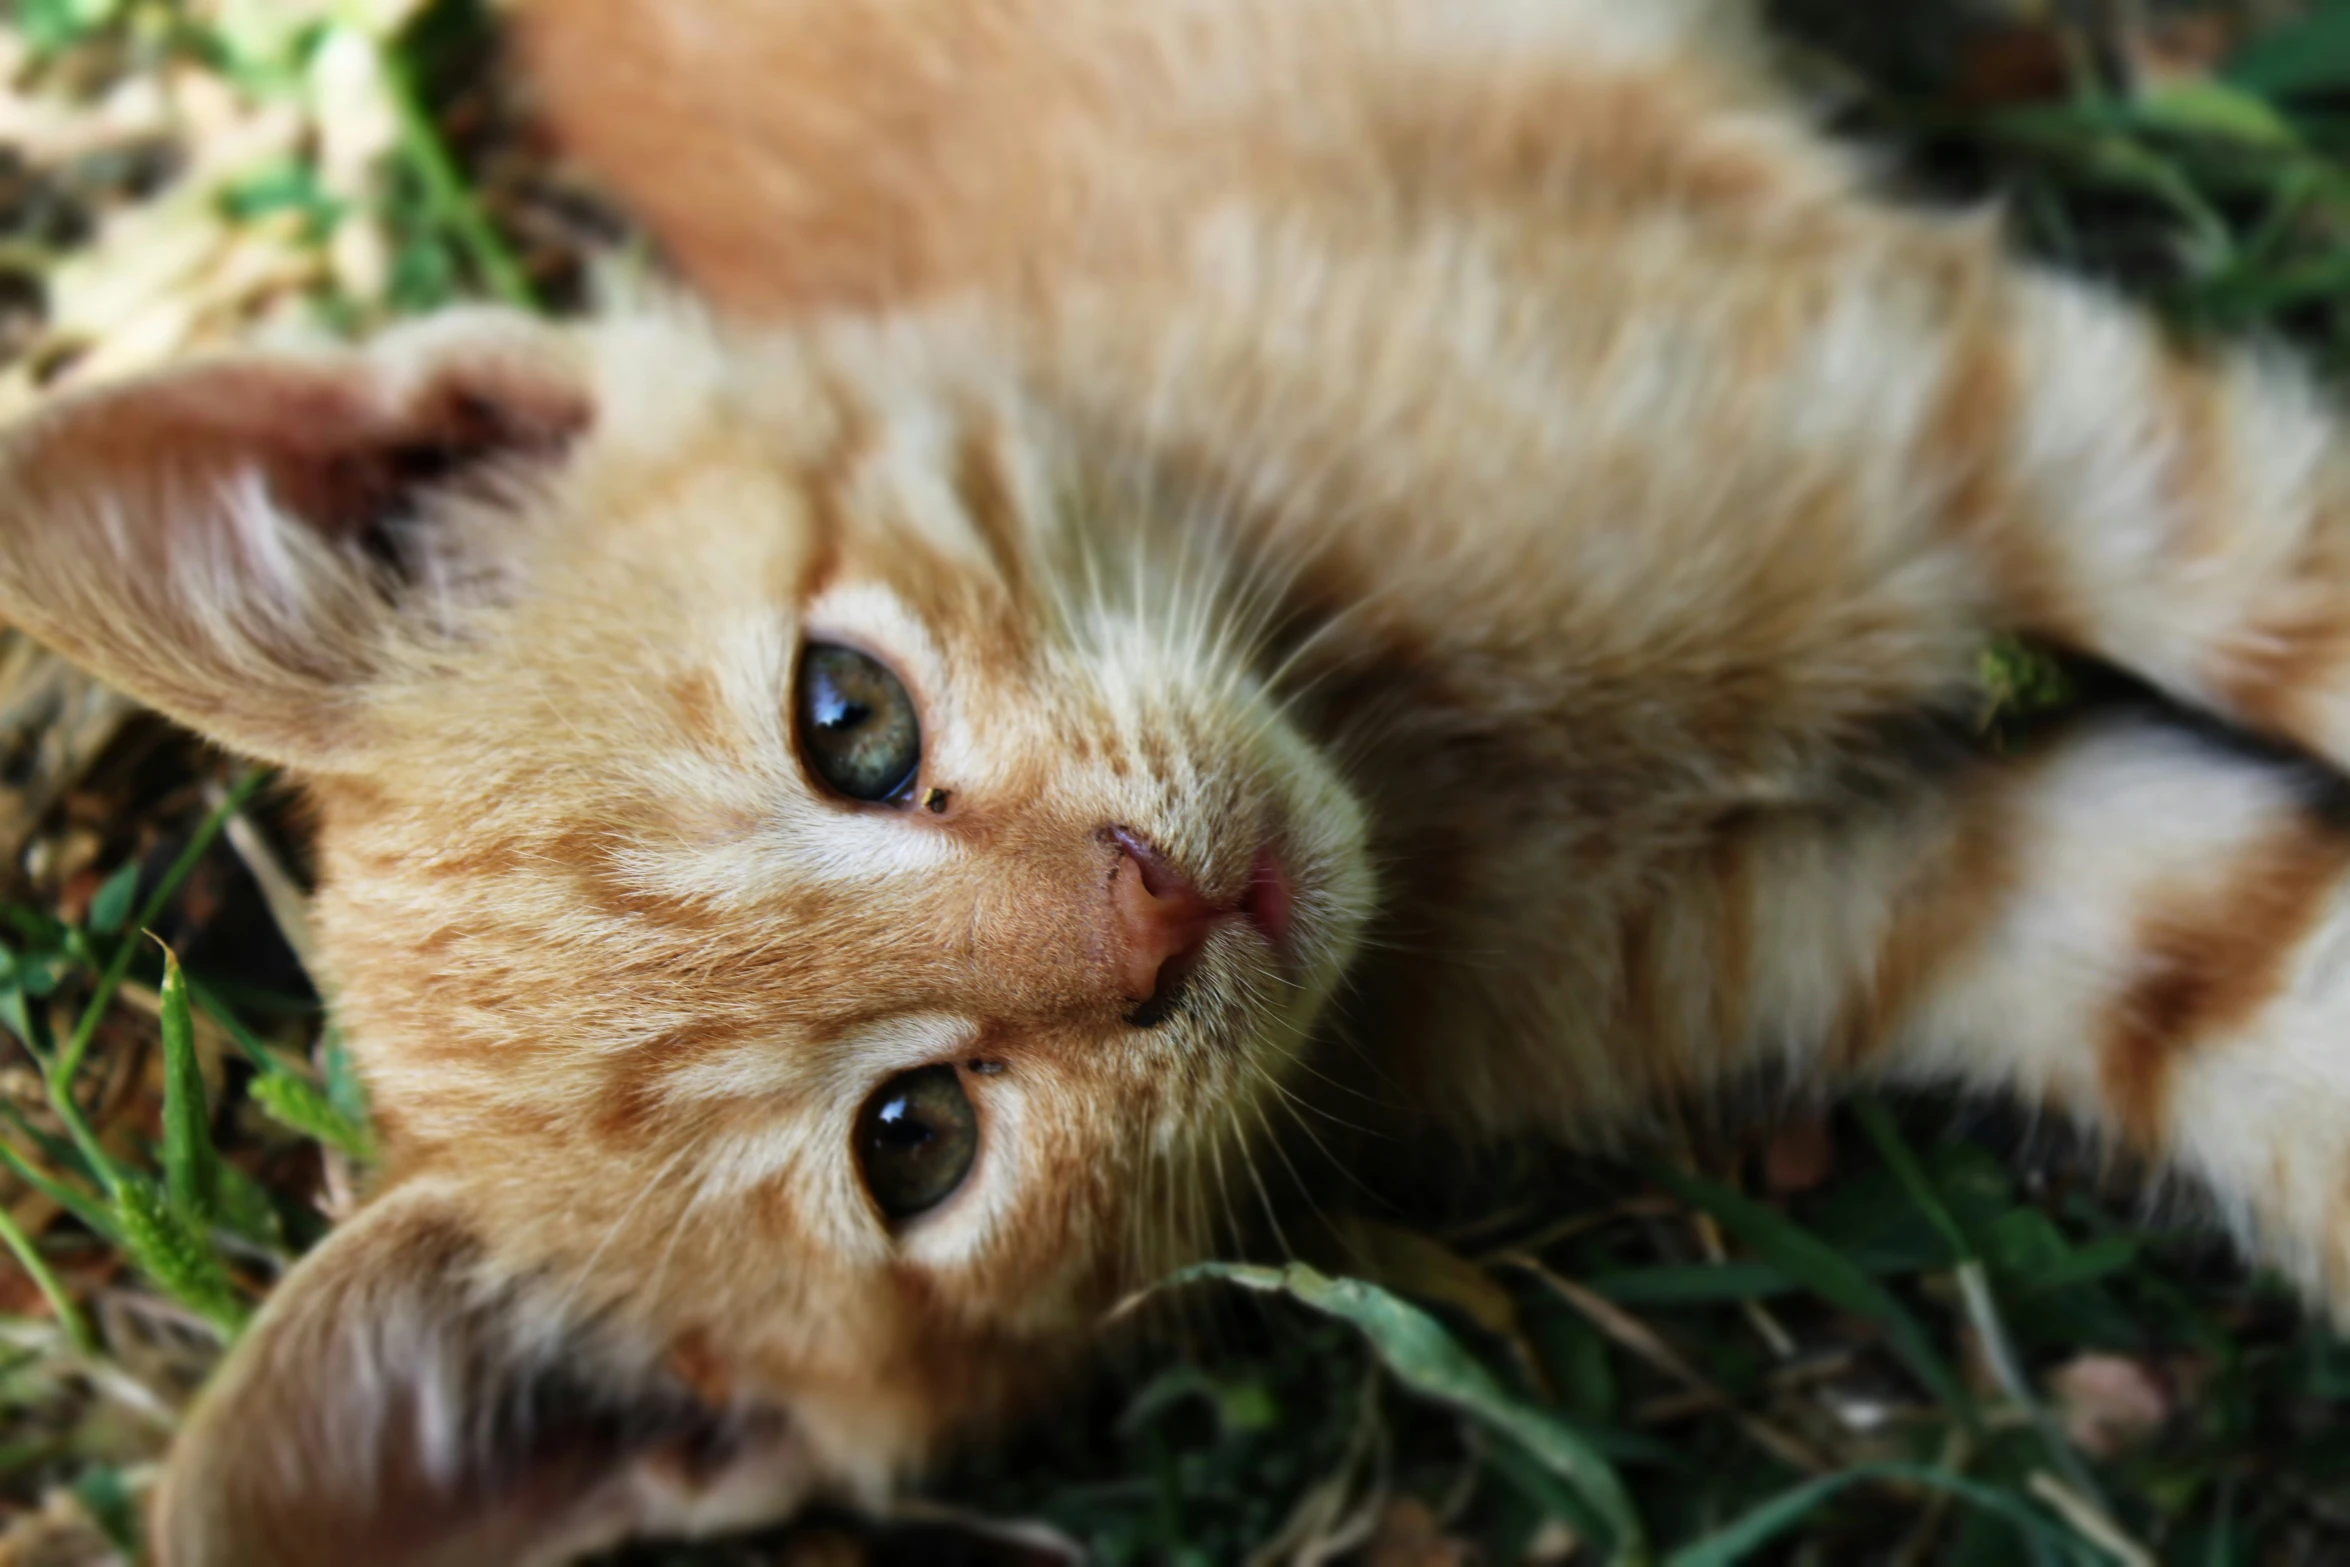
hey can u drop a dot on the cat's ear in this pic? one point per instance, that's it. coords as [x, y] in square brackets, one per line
[244, 543]
[399, 1404]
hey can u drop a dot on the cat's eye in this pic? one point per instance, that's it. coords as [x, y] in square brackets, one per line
[857, 725]
[917, 1137]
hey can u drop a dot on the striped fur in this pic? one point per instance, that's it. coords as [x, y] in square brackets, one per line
[1490, 449]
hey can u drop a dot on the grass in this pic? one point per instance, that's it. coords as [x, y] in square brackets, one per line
[1912, 1333]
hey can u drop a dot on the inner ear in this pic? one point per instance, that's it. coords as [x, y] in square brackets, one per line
[231, 542]
[401, 1403]
[359, 476]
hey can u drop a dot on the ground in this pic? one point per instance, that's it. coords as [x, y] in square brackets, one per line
[1910, 1333]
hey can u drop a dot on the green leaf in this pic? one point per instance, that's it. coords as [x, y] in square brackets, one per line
[112, 907]
[107, 1498]
[2213, 108]
[191, 1165]
[1825, 1271]
[247, 1212]
[1775, 1517]
[344, 1085]
[1694, 1284]
[298, 1103]
[37, 977]
[1240, 1404]
[288, 185]
[175, 1254]
[2026, 1245]
[2308, 56]
[265, 39]
[34, 926]
[51, 25]
[1415, 1347]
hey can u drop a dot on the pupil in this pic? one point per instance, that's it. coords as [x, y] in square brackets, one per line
[844, 715]
[902, 1127]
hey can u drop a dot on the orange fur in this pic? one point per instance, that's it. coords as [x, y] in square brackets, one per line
[1491, 458]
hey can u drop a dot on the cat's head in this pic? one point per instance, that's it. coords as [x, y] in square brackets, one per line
[816, 879]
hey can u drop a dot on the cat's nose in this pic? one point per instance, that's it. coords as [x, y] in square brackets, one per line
[1158, 921]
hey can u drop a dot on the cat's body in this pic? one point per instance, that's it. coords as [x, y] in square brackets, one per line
[1425, 539]
[1633, 480]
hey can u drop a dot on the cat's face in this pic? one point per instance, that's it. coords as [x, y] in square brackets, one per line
[819, 888]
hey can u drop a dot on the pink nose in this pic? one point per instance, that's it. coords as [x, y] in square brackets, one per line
[1158, 920]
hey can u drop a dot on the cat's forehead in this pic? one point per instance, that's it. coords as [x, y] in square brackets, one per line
[792, 466]
[729, 505]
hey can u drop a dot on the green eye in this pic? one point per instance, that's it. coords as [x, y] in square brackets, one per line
[857, 725]
[917, 1137]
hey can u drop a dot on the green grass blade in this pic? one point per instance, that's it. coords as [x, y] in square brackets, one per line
[176, 1255]
[1534, 1480]
[15, 1016]
[298, 1103]
[2220, 1548]
[59, 1151]
[261, 1055]
[288, 1096]
[1893, 1148]
[1425, 1358]
[36, 1267]
[1826, 1272]
[69, 1061]
[191, 1165]
[62, 1067]
[1774, 1518]
[92, 1213]
[1982, 1303]
[452, 200]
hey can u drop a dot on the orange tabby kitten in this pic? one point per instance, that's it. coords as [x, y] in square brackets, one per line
[1247, 523]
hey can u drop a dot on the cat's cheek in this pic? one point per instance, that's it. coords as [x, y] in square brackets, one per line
[1334, 887]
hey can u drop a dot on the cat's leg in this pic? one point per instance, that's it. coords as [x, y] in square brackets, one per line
[2181, 513]
[2139, 928]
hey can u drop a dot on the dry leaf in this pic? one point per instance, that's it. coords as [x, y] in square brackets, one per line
[1801, 1154]
[61, 1534]
[1414, 1264]
[1410, 1535]
[1554, 1545]
[2110, 1403]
